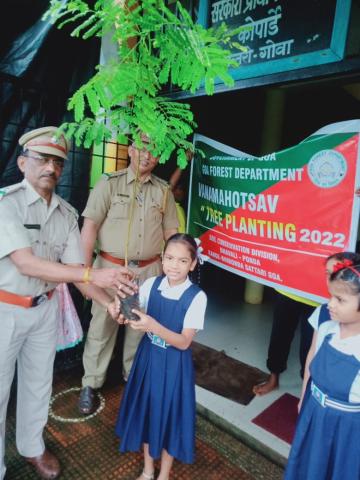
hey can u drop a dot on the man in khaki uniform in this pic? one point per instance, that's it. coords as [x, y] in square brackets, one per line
[38, 231]
[130, 218]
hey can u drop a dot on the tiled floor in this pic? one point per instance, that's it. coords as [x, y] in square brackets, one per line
[88, 450]
[243, 331]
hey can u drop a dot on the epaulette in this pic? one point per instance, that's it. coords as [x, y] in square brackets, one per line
[68, 207]
[118, 173]
[10, 189]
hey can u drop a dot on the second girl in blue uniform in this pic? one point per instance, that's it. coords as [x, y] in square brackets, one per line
[327, 438]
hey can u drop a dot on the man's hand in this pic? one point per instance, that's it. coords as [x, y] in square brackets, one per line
[113, 309]
[116, 278]
[189, 154]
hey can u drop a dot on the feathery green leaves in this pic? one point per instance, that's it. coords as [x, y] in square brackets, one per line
[155, 47]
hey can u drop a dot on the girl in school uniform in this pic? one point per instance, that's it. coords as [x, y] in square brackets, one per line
[157, 412]
[321, 313]
[327, 438]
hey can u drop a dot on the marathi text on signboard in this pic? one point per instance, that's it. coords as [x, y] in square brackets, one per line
[280, 35]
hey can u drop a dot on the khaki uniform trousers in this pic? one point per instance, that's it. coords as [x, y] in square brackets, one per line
[102, 333]
[28, 337]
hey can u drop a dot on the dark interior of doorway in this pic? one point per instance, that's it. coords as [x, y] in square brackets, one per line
[237, 118]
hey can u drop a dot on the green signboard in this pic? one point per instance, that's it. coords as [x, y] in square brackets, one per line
[282, 35]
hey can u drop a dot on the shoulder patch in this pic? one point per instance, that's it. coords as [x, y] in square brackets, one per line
[118, 173]
[10, 189]
[68, 207]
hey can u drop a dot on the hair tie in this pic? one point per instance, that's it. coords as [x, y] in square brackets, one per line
[199, 255]
[346, 263]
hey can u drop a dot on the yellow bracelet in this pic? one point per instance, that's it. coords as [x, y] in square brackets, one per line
[87, 275]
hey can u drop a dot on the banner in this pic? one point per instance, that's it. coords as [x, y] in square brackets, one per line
[274, 219]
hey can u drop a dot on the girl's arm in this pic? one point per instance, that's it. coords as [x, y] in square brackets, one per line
[182, 340]
[309, 358]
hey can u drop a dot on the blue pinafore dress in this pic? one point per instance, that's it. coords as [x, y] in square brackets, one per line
[326, 445]
[158, 406]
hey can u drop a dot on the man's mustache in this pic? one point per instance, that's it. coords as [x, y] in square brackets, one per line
[50, 175]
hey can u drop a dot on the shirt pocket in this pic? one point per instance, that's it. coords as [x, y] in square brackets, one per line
[56, 243]
[119, 208]
[154, 212]
[57, 250]
[34, 236]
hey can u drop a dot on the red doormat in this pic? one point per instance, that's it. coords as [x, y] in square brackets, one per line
[280, 418]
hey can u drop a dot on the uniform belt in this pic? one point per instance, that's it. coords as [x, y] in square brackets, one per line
[131, 263]
[24, 301]
[326, 401]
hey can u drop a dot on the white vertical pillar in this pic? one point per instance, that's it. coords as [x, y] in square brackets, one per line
[270, 142]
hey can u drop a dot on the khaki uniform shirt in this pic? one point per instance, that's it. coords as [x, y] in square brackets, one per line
[51, 231]
[109, 206]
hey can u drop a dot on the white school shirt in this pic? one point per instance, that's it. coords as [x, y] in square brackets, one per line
[195, 315]
[349, 346]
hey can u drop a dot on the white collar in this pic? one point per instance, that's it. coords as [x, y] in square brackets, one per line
[164, 286]
[334, 328]
[33, 196]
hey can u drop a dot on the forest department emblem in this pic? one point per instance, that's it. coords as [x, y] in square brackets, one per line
[327, 168]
